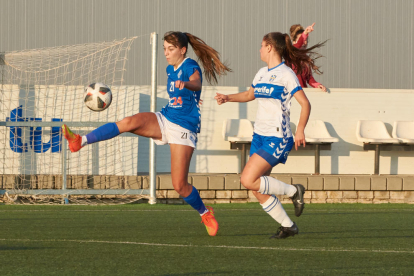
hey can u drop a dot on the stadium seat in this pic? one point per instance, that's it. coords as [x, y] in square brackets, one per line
[404, 131]
[374, 135]
[316, 132]
[318, 138]
[239, 132]
[373, 132]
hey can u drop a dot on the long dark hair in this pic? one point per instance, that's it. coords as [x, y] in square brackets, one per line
[295, 30]
[294, 58]
[208, 56]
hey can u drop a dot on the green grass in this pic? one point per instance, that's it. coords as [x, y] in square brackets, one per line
[334, 239]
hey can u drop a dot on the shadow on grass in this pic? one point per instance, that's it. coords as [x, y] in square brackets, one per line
[359, 212]
[247, 235]
[353, 237]
[200, 273]
[12, 248]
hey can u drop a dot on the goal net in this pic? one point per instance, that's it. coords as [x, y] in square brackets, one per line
[40, 90]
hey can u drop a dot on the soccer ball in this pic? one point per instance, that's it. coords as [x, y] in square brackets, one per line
[98, 96]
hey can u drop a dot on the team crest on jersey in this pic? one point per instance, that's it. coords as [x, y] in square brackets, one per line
[272, 78]
[179, 74]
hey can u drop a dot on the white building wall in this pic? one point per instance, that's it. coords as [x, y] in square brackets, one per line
[340, 109]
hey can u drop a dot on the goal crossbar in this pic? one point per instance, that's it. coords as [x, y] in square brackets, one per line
[78, 192]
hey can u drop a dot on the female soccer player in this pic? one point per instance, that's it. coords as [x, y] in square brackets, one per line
[274, 86]
[178, 122]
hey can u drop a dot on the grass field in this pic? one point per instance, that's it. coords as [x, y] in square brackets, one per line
[140, 239]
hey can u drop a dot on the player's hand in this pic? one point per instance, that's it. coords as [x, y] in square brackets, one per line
[299, 139]
[200, 102]
[309, 29]
[179, 84]
[321, 87]
[221, 98]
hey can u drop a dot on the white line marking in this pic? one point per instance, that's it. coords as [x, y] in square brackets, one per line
[219, 210]
[219, 246]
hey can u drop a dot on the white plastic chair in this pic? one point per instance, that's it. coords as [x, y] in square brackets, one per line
[373, 132]
[237, 130]
[404, 131]
[316, 132]
[317, 135]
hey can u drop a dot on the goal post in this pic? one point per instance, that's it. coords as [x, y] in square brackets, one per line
[152, 161]
[41, 89]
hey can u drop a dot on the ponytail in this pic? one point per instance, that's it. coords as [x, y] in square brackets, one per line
[209, 57]
[294, 58]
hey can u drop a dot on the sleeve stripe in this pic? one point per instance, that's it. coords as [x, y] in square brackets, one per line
[253, 85]
[296, 90]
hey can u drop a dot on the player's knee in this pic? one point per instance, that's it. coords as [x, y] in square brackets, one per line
[182, 188]
[126, 124]
[246, 181]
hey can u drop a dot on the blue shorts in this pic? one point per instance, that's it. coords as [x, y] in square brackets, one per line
[274, 150]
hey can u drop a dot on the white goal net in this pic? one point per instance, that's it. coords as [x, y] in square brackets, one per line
[40, 90]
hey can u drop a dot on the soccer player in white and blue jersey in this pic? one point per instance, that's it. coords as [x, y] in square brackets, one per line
[274, 86]
[178, 123]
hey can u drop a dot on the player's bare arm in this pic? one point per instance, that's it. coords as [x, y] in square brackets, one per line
[303, 119]
[242, 97]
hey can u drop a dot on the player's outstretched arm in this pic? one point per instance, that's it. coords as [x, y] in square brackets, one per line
[303, 119]
[242, 97]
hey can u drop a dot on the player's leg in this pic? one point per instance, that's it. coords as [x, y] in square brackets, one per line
[261, 197]
[272, 186]
[261, 146]
[253, 171]
[180, 163]
[255, 168]
[264, 184]
[143, 124]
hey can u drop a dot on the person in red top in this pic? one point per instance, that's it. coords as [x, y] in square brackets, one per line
[299, 38]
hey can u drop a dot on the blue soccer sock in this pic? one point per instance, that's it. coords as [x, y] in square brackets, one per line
[195, 201]
[105, 132]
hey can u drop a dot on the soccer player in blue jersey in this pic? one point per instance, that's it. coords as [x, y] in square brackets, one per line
[178, 122]
[273, 87]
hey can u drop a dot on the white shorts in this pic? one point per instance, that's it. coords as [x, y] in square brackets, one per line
[174, 134]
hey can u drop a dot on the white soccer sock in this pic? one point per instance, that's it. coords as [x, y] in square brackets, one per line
[84, 141]
[275, 209]
[272, 186]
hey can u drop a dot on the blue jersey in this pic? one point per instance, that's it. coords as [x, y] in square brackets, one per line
[183, 108]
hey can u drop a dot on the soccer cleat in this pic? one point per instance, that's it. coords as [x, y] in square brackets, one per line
[210, 221]
[297, 199]
[285, 232]
[74, 140]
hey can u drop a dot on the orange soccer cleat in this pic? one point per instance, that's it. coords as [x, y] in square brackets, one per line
[74, 140]
[210, 221]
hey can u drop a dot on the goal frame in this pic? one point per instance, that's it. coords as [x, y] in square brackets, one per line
[64, 192]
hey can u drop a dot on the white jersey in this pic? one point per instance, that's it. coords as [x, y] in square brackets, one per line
[273, 89]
